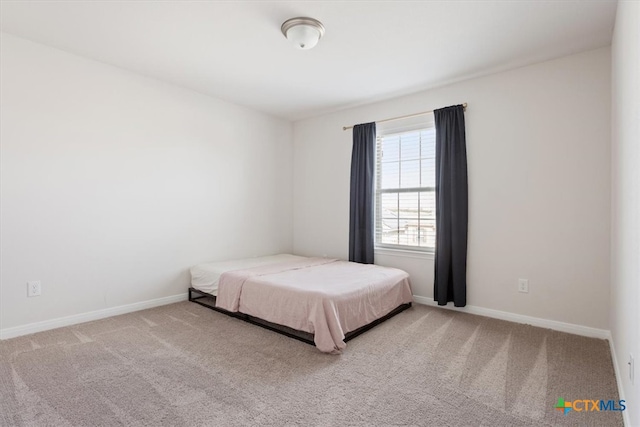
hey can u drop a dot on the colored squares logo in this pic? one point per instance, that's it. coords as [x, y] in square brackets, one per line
[589, 405]
[563, 406]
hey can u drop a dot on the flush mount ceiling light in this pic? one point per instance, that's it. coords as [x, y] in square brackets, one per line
[304, 33]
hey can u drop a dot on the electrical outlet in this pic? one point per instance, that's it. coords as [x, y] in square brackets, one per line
[523, 285]
[631, 368]
[34, 288]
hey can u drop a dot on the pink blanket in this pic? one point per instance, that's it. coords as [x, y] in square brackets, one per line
[325, 297]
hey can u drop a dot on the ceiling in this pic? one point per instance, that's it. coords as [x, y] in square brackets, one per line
[372, 50]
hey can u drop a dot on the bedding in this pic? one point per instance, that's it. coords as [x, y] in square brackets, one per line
[205, 277]
[325, 297]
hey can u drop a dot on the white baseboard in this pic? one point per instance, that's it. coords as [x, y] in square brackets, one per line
[519, 318]
[618, 372]
[543, 323]
[87, 317]
[496, 314]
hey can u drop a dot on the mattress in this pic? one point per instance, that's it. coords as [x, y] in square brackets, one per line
[325, 297]
[205, 277]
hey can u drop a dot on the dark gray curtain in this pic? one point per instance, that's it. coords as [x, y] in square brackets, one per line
[451, 207]
[361, 205]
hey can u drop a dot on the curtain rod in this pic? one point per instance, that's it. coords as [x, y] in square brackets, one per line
[402, 117]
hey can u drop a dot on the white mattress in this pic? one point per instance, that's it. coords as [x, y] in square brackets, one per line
[205, 277]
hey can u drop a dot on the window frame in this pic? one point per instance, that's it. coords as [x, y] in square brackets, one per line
[423, 125]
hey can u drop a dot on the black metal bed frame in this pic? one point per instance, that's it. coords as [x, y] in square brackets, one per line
[209, 301]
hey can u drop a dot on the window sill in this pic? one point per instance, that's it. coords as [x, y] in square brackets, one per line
[404, 253]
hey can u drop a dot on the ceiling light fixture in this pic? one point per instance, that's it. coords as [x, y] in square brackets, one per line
[303, 32]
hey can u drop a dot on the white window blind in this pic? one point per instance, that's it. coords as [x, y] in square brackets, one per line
[405, 190]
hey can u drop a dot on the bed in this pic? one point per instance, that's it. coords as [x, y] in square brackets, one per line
[321, 301]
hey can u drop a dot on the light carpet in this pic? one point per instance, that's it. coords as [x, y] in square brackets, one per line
[186, 365]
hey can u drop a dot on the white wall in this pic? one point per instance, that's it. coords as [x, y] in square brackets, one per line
[625, 230]
[538, 141]
[113, 184]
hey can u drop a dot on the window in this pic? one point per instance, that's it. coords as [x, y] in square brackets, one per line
[405, 189]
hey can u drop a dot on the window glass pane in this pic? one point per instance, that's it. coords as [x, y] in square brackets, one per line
[409, 220]
[428, 173]
[390, 148]
[428, 233]
[389, 205]
[389, 230]
[389, 220]
[410, 174]
[428, 205]
[390, 175]
[408, 205]
[406, 160]
[408, 233]
[410, 146]
[428, 143]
